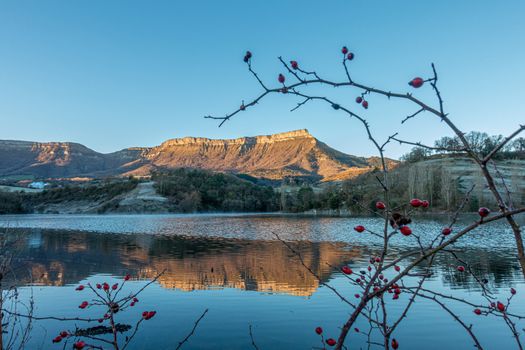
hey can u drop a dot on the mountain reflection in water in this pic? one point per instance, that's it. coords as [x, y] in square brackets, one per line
[57, 258]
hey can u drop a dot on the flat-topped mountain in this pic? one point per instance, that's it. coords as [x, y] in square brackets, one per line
[290, 154]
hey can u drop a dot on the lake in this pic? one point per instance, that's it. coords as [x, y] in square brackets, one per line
[234, 266]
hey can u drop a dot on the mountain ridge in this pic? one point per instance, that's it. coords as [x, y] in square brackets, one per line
[294, 153]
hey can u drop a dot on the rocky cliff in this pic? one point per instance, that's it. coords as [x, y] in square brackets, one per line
[289, 154]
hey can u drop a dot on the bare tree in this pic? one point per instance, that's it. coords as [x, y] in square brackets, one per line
[373, 283]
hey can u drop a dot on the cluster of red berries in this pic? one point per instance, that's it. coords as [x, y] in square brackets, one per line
[498, 305]
[360, 100]
[247, 56]
[329, 341]
[348, 55]
[79, 345]
[62, 335]
[416, 203]
[113, 307]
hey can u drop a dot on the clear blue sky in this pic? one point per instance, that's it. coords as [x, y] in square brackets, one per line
[115, 74]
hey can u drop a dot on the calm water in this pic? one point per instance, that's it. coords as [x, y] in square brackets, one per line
[232, 265]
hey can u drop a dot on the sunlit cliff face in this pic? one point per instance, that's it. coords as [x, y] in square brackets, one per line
[294, 153]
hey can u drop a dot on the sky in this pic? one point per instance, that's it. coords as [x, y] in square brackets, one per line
[122, 73]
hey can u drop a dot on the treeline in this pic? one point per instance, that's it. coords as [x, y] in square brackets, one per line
[11, 203]
[359, 195]
[192, 190]
[443, 182]
[481, 144]
[20, 202]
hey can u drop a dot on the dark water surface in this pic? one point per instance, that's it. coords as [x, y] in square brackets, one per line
[234, 266]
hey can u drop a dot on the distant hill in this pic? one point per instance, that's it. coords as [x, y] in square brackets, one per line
[290, 154]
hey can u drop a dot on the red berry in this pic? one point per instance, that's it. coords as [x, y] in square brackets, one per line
[365, 104]
[346, 270]
[57, 339]
[446, 231]
[331, 341]
[319, 330]
[358, 99]
[477, 311]
[416, 82]
[127, 277]
[350, 56]
[135, 300]
[281, 78]
[512, 291]
[395, 297]
[461, 268]
[115, 286]
[64, 334]
[81, 287]
[344, 50]
[484, 212]
[405, 230]
[425, 204]
[395, 344]
[105, 286]
[356, 329]
[99, 286]
[397, 268]
[100, 320]
[369, 268]
[79, 345]
[359, 228]
[357, 296]
[380, 205]
[500, 306]
[294, 64]
[415, 202]
[83, 305]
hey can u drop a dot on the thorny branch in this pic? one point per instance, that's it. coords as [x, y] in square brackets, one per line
[373, 284]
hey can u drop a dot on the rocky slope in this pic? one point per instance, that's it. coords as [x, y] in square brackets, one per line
[290, 154]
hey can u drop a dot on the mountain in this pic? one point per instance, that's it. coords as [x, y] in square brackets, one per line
[289, 154]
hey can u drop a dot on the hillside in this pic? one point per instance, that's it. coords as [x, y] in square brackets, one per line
[290, 154]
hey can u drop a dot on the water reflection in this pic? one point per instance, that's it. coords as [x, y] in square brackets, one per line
[57, 258]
